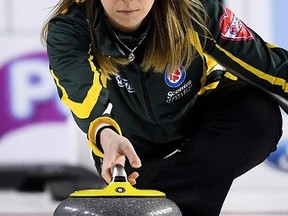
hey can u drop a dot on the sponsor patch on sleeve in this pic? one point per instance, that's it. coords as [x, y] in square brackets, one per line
[232, 28]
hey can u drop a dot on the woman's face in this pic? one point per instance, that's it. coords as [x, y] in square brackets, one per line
[126, 15]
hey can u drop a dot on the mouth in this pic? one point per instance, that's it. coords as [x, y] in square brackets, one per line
[127, 12]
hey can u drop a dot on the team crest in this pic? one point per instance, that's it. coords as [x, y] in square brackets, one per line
[232, 28]
[176, 78]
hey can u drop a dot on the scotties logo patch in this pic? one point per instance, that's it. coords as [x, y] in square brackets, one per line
[232, 28]
[176, 78]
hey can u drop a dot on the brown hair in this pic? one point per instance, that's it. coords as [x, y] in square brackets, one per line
[170, 44]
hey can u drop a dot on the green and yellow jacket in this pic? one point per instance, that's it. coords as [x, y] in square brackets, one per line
[149, 108]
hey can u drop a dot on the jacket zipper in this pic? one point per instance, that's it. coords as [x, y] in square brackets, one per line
[147, 101]
[148, 106]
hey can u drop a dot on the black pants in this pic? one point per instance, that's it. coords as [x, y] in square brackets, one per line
[233, 129]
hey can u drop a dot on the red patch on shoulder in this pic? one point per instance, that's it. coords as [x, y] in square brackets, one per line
[232, 28]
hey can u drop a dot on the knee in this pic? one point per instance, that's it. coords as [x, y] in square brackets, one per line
[265, 115]
[263, 128]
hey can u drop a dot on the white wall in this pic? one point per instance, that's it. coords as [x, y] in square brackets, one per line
[20, 24]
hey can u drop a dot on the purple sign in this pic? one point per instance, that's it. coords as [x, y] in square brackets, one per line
[27, 93]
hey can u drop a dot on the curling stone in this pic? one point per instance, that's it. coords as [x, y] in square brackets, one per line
[119, 198]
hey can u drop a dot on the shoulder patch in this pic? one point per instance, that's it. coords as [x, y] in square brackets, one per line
[232, 28]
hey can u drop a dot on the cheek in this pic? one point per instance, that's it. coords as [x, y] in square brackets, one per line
[108, 6]
[109, 12]
[148, 7]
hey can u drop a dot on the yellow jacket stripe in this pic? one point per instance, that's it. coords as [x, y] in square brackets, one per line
[271, 79]
[83, 110]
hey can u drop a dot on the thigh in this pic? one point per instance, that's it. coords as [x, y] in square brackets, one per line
[241, 119]
[237, 127]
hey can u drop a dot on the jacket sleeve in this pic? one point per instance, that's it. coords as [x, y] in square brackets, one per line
[238, 48]
[81, 86]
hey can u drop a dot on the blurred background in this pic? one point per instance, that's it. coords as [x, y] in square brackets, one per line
[44, 156]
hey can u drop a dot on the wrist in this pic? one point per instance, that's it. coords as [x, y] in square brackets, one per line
[97, 136]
